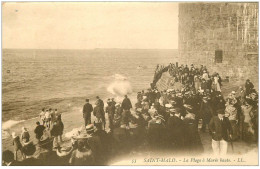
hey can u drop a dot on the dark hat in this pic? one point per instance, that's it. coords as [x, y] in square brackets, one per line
[221, 111]
[87, 100]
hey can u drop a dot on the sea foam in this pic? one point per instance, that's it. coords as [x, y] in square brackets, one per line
[120, 86]
[8, 124]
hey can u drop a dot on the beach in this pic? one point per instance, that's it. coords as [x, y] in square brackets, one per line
[73, 119]
[67, 81]
[63, 79]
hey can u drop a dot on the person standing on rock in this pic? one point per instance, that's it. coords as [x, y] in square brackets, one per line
[39, 130]
[25, 136]
[99, 112]
[87, 109]
[99, 102]
[42, 116]
[110, 110]
[126, 104]
[17, 145]
[48, 119]
[56, 132]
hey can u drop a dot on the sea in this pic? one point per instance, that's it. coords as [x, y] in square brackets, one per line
[33, 79]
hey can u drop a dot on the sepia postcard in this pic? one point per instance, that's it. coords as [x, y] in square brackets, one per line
[130, 83]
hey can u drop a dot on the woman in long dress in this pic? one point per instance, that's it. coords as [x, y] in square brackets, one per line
[197, 83]
[215, 84]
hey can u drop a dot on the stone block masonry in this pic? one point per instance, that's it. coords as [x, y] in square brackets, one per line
[222, 36]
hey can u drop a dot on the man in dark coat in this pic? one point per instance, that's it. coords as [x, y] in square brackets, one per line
[175, 130]
[113, 101]
[87, 109]
[193, 143]
[249, 86]
[217, 101]
[110, 110]
[156, 134]
[204, 85]
[17, 145]
[100, 114]
[221, 131]
[99, 111]
[99, 102]
[39, 130]
[206, 112]
[126, 104]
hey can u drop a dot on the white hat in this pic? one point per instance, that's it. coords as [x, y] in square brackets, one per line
[168, 105]
[122, 126]
[13, 134]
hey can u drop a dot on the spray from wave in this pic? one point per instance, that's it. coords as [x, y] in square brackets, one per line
[8, 124]
[6, 127]
[120, 86]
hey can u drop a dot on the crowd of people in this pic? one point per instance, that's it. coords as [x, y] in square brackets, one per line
[167, 120]
[193, 77]
[48, 136]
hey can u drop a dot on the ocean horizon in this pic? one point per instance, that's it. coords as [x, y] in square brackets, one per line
[56, 78]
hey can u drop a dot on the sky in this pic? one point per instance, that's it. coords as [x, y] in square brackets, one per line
[90, 25]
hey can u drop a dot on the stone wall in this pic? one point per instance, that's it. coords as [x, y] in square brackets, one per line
[230, 27]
